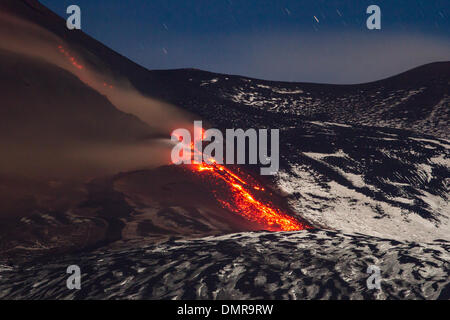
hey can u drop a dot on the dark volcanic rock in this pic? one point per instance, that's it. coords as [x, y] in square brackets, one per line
[261, 265]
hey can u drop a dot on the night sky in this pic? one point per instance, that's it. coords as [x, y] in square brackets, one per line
[292, 40]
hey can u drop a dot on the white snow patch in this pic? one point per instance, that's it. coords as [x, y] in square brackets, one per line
[206, 82]
[337, 207]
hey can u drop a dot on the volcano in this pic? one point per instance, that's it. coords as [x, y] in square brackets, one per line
[86, 176]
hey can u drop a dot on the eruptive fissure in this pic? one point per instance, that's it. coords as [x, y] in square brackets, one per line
[73, 61]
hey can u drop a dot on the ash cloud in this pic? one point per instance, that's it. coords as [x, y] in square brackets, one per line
[22, 37]
[39, 147]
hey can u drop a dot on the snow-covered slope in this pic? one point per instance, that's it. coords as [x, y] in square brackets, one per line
[368, 180]
[258, 265]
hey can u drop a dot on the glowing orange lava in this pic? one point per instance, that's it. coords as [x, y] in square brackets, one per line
[71, 58]
[73, 61]
[244, 203]
[240, 199]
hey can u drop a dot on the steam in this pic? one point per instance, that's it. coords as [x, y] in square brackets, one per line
[25, 38]
[86, 158]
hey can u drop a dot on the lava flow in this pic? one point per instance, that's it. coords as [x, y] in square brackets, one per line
[238, 194]
[244, 203]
